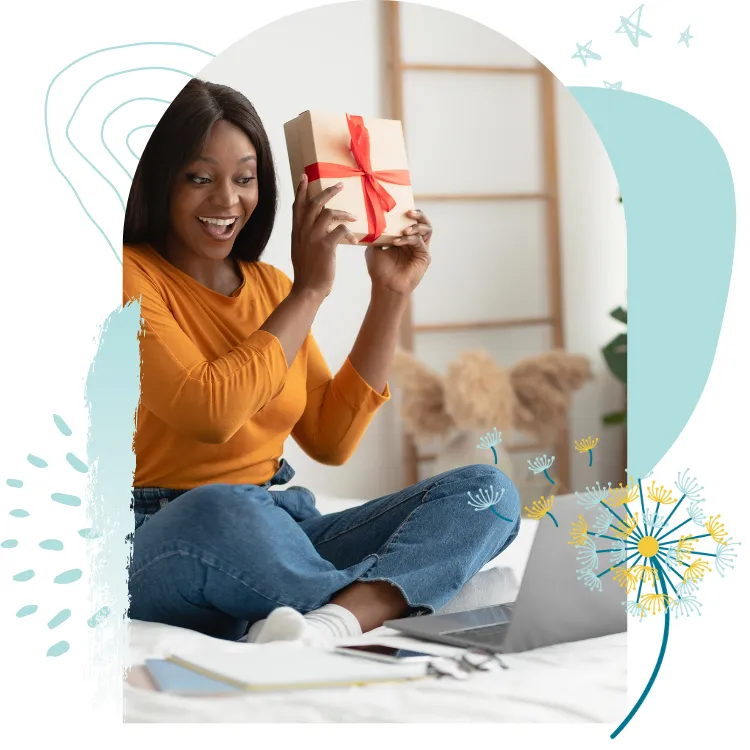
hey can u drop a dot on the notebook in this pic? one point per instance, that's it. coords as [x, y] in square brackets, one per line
[274, 667]
[169, 677]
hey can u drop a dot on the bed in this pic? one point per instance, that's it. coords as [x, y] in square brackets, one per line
[583, 681]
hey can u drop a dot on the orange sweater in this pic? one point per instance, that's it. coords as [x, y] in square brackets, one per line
[217, 398]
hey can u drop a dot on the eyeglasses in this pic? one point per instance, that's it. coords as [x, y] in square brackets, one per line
[461, 667]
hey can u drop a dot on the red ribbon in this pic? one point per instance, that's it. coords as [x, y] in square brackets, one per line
[377, 199]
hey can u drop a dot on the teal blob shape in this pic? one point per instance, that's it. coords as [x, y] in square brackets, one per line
[19, 513]
[98, 617]
[40, 463]
[9, 543]
[89, 533]
[14, 483]
[679, 204]
[58, 619]
[69, 576]
[63, 499]
[25, 575]
[62, 426]
[59, 649]
[29, 609]
[76, 463]
[54, 545]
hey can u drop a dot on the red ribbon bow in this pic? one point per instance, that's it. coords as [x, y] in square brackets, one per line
[377, 199]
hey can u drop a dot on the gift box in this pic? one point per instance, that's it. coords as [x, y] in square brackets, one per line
[368, 156]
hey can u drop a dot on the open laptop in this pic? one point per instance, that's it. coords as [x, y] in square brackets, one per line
[552, 606]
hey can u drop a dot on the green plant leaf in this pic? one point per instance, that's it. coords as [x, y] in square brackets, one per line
[616, 356]
[615, 417]
[620, 314]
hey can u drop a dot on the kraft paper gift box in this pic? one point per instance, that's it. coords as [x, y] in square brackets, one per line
[365, 153]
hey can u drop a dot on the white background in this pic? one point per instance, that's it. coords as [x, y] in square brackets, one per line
[59, 282]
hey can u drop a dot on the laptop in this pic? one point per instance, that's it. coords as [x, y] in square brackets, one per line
[552, 605]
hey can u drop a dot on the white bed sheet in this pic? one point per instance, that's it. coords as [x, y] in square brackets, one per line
[583, 681]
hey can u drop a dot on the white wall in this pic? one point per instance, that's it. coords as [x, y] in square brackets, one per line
[340, 68]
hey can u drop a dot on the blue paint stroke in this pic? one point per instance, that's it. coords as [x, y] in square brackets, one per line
[76, 463]
[89, 533]
[63, 499]
[17, 483]
[62, 425]
[59, 649]
[29, 609]
[24, 576]
[669, 167]
[19, 513]
[54, 545]
[69, 576]
[9, 544]
[98, 617]
[40, 463]
[58, 619]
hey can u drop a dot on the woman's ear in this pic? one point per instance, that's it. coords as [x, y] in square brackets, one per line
[422, 397]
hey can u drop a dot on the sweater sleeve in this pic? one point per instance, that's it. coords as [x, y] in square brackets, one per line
[207, 401]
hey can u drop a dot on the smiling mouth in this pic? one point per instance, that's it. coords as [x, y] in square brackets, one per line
[218, 229]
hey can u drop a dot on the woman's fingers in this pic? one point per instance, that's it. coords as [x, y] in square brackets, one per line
[342, 235]
[329, 217]
[316, 204]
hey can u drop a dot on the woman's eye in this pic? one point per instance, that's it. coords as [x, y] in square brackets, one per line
[245, 180]
[197, 179]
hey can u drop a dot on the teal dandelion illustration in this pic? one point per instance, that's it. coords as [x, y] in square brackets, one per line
[489, 440]
[660, 558]
[540, 465]
[488, 498]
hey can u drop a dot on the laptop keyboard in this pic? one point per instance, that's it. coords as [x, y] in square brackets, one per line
[492, 634]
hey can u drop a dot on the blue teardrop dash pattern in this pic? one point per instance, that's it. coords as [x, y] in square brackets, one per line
[63, 499]
[23, 576]
[19, 513]
[62, 426]
[58, 619]
[17, 483]
[9, 543]
[76, 463]
[69, 576]
[54, 545]
[40, 463]
[59, 649]
[89, 533]
[98, 617]
[29, 609]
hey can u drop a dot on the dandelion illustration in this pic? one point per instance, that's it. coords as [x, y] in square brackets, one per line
[716, 529]
[488, 499]
[580, 529]
[725, 556]
[629, 527]
[689, 487]
[645, 574]
[660, 494]
[636, 609]
[653, 520]
[618, 552]
[593, 495]
[626, 578]
[686, 588]
[684, 548]
[603, 521]
[587, 555]
[489, 440]
[622, 495]
[696, 570]
[587, 445]
[589, 579]
[685, 606]
[656, 603]
[696, 514]
[540, 508]
[540, 465]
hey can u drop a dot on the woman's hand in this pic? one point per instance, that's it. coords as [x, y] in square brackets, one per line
[313, 245]
[400, 267]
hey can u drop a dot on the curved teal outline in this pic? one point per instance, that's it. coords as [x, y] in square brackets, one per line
[46, 118]
[104, 124]
[127, 138]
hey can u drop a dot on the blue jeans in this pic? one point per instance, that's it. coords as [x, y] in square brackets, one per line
[219, 557]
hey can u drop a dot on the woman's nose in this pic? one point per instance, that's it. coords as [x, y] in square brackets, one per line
[225, 194]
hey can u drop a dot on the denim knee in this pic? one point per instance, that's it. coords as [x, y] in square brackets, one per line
[488, 487]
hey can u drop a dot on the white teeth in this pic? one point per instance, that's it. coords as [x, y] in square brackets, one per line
[219, 222]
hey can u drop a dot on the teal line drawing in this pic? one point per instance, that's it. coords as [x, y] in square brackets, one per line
[69, 576]
[17, 483]
[59, 649]
[9, 544]
[540, 465]
[40, 463]
[98, 617]
[104, 124]
[76, 463]
[29, 609]
[62, 425]
[24, 576]
[585, 53]
[58, 619]
[135, 130]
[53, 545]
[488, 499]
[685, 37]
[67, 129]
[19, 513]
[614, 86]
[63, 499]
[633, 28]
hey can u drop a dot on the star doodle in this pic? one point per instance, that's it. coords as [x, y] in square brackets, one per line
[633, 28]
[585, 53]
[685, 37]
[617, 86]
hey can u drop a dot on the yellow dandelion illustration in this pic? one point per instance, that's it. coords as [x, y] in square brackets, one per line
[626, 578]
[655, 603]
[645, 574]
[540, 508]
[630, 524]
[622, 495]
[716, 529]
[579, 532]
[587, 445]
[661, 494]
[684, 548]
[696, 570]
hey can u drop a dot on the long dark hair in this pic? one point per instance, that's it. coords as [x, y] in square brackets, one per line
[176, 141]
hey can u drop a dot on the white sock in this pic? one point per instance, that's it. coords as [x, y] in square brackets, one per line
[319, 628]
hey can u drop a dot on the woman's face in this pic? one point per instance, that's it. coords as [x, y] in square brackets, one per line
[215, 195]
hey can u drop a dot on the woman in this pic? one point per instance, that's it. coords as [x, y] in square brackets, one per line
[230, 370]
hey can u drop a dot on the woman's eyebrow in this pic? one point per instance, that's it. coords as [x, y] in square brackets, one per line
[249, 157]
